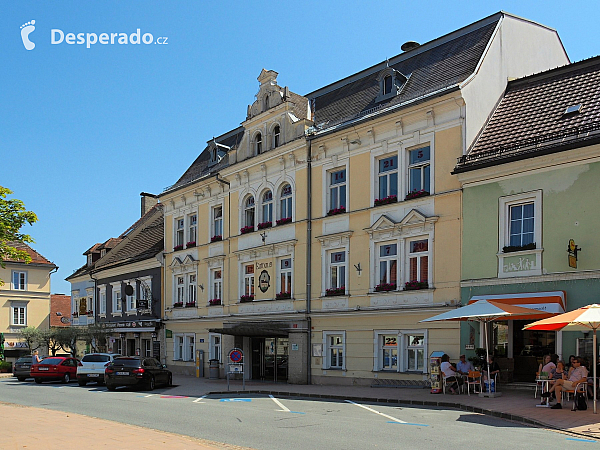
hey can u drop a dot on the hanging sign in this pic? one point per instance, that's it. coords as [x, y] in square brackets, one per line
[573, 250]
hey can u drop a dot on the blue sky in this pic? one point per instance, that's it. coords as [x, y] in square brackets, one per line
[84, 130]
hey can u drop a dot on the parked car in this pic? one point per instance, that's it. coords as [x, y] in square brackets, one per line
[22, 367]
[55, 368]
[136, 371]
[91, 367]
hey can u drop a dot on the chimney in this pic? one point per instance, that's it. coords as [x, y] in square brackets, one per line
[148, 201]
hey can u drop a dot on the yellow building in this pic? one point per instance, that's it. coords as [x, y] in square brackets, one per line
[24, 300]
[319, 233]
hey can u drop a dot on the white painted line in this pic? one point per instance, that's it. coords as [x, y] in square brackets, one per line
[149, 395]
[198, 399]
[281, 405]
[376, 412]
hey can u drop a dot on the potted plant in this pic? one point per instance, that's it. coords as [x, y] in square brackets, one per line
[416, 194]
[385, 287]
[247, 229]
[190, 304]
[335, 291]
[5, 367]
[263, 225]
[336, 211]
[518, 248]
[386, 200]
[214, 302]
[246, 298]
[415, 285]
[283, 295]
[178, 305]
[216, 238]
[90, 313]
[190, 244]
[178, 247]
[283, 220]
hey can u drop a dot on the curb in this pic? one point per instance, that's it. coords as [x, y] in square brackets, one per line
[487, 412]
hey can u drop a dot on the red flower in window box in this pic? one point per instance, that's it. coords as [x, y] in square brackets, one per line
[335, 291]
[214, 302]
[178, 247]
[416, 194]
[248, 229]
[415, 285]
[263, 225]
[190, 244]
[246, 298]
[90, 313]
[387, 200]
[385, 287]
[283, 295]
[216, 238]
[190, 305]
[178, 305]
[75, 314]
[336, 211]
[284, 220]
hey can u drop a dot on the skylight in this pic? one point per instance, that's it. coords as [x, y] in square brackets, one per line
[573, 109]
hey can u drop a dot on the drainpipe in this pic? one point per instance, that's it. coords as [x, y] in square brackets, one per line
[220, 180]
[309, 261]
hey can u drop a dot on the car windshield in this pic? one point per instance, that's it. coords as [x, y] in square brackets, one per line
[24, 359]
[52, 361]
[96, 358]
[126, 362]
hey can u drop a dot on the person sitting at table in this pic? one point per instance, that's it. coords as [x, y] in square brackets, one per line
[450, 374]
[577, 375]
[547, 365]
[558, 373]
[494, 368]
[463, 366]
[570, 366]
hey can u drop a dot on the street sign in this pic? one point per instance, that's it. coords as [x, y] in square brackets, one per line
[236, 356]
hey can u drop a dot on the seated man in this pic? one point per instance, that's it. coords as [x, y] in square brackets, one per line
[464, 366]
[577, 375]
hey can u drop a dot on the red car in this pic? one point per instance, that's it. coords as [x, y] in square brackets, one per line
[55, 368]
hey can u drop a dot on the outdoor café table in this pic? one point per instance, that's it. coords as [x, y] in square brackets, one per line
[545, 382]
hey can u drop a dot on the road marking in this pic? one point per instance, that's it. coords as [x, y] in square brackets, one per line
[236, 400]
[407, 423]
[149, 395]
[173, 396]
[376, 412]
[580, 440]
[281, 405]
[198, 399]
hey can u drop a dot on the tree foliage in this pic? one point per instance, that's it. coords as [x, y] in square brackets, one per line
[32, 336]
[96, 336]
[13, 216]
[67, 338]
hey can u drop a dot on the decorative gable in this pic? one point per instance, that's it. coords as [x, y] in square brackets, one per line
[269, 94]
[416, 222]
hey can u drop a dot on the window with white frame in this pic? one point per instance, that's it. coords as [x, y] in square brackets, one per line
[337, 190]
[285, 202]
[276, 134]
[418, 260]
[258, 143]
[337, 270]
[179, 232]
[267, 206]
[335, 348]
[414, 351]
[90, 304]
[117, 302]
[192, 289]
[388, 177]
[180, 289]
[190, 347]
[249, 212]
[387, 351]
[217, 284]
[179, 347]
[249, 280]
[147, 347]
[19, 280]
[217, 221]
[418, 170]
[192, 229]
[131, 301]
[387, 268]
[285, 277]
[214, 346]
[521, 229]
[102, 301]
[18, 314]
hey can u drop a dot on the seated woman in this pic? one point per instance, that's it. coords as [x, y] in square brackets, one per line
[547, 365]
[558, 373]
[449, 371]
[577, 375]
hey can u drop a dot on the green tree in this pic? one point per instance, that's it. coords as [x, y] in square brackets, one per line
[13, 216]
[48, 338]
[96, 336]
[67, 339]
[32, 336]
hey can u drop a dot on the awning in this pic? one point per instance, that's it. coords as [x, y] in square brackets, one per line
[552, 303]
[255, 329]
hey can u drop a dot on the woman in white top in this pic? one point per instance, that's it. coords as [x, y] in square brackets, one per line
[450, 375]
[547, 365]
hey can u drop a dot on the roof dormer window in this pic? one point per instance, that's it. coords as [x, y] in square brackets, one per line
[276, 133]
[258, 143]
[391, 83]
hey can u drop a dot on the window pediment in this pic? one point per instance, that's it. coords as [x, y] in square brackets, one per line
[415, 220]
[335, 239]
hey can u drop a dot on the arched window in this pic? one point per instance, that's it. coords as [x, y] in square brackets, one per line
[285, 210]
[276, 133]
[249, 212]
[387, 84]
[258, 143]
[266, 102]
[267, 207]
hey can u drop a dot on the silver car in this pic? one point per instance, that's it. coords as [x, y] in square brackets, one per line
[91, 367]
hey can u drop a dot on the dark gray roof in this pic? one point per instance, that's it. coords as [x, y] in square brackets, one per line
[143, 243]
[530, 119]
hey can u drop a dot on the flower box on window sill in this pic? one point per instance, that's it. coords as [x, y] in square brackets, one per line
[387, 200]
[214, 302]
[263, 225]
[335, 291]
[245, 230]
[178, 247]
[190, 244]
[385, 287]
[283, 295]
[416, 285]
[416, 194]
[336, 211]
[190, 305]
[283, 220]
[246, 298]
[90, 313]
[518, 248]
[216, 238]
[178, 305]
[75, 314]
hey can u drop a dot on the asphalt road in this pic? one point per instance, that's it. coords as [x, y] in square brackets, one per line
[265, 422]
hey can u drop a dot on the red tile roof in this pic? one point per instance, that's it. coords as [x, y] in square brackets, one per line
[36, 258]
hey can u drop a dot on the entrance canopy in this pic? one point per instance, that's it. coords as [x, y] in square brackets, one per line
[551, 303]
[254, 329]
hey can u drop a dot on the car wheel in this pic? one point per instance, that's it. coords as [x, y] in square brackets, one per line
[82, 382]
[38, 380]
[151, 384]
[170, 380]
[21, 378]
[66, 378]
[110, 387]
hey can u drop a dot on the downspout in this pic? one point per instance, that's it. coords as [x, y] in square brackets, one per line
[309, 261]
[220, 180]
